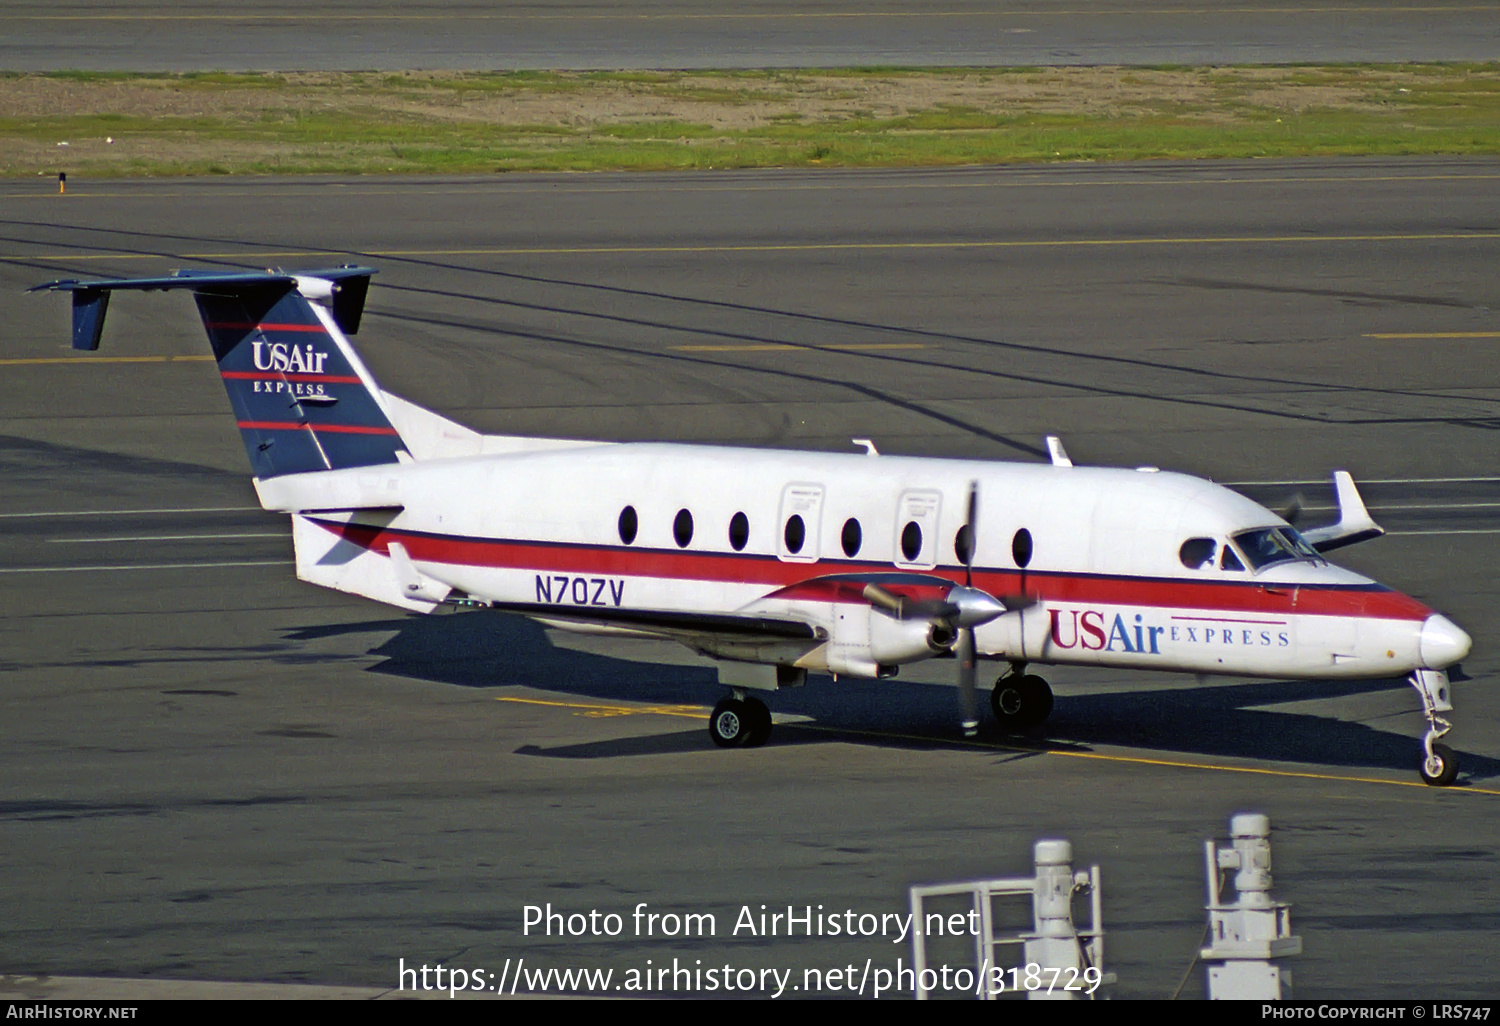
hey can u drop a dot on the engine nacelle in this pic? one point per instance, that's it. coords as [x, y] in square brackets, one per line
[906, 641]
[870, 643]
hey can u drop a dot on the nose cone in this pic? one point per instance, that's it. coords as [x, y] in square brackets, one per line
[1443, 642]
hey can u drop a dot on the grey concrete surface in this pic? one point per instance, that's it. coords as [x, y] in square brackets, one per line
[213, 772]
[356, 35]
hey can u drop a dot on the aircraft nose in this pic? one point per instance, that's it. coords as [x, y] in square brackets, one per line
[1443, 642]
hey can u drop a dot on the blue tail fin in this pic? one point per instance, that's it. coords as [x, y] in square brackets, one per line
[302, 398]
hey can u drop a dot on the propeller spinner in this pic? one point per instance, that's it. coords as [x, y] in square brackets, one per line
[964, 608]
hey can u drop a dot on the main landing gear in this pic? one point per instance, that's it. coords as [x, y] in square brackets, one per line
[740, 722]
[1020, 701]
[1439, 763]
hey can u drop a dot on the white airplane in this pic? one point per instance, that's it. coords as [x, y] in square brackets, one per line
[775, 563]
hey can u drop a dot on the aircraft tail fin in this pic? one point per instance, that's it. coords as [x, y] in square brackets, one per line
[303, 399]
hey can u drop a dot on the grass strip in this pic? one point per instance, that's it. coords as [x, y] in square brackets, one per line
[119, 124]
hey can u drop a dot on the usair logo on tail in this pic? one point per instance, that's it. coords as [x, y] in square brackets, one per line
[279, 356]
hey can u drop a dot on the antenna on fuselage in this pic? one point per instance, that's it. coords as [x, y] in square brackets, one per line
[1057, 452]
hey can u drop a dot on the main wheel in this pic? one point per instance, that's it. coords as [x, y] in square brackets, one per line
[731, 723]
[1442, 768]
[1020, 703]
[760, 723]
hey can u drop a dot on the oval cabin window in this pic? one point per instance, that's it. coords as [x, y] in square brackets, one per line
[739, 532]
[911, 541]
[795, 534]
[851, 538]
[629, 525]
[1020, 548]
[682, 528]
[963, 544]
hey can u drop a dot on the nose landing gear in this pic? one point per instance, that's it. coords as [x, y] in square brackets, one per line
[1439, 763]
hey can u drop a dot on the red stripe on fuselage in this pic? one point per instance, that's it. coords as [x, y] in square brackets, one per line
[340, 429]
[1370, 601]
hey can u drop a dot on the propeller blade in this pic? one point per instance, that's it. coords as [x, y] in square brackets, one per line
[964, 650]
[878, 596]
[969, 534]
[1016, 603]
[1292, 511]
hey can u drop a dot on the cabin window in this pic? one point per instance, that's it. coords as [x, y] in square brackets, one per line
[629, 525]
[911, 541]
[1020, 548]
[739, 531]
[963, 544]
[1229, 561]
[1197, 553]
[852, 537]
[682, 528]
[795, 534]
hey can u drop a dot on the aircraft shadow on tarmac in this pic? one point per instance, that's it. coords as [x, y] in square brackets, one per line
[483, 649]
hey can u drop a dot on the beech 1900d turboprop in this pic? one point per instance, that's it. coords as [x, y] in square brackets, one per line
[776, 563]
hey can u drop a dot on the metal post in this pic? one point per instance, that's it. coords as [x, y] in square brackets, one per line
[1245, 934]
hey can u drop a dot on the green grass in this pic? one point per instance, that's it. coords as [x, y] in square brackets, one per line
[218, 123]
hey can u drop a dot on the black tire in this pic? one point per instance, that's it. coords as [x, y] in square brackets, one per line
[730, 723]
[1021, 703]
[1442, 769]
[760, 723]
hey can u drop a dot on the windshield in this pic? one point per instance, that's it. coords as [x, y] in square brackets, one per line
[1273, 545]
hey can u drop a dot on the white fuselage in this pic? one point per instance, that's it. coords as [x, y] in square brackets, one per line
[544, 529]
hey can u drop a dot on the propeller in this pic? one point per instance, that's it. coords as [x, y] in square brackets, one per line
[964, 647]
[964, 608]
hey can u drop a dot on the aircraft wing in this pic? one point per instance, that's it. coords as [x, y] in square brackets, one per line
[667, 624]
[1355, 523]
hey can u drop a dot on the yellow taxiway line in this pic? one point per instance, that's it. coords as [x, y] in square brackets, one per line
[81, 361]
[781, 247]
[777, 347]
[318, 15]
[1432, 334]
[696, 712]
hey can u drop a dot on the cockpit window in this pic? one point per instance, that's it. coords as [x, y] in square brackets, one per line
[1273, 545]
[1229, 561]
[1197, 552]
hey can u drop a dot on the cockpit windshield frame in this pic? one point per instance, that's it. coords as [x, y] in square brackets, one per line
[1262, 547]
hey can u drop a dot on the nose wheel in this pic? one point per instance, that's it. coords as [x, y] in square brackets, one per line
[1439, 763]
[1020, 702]
[1440, 767]
[739, 722]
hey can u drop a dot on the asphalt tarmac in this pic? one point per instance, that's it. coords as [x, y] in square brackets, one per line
[212, 771]
[355, 35]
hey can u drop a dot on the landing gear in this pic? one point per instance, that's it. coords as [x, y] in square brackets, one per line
[1020, 701]
[739, 722]
[1440, 768]
[1439, 763]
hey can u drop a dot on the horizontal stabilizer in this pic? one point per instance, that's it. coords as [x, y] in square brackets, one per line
[345, 286]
